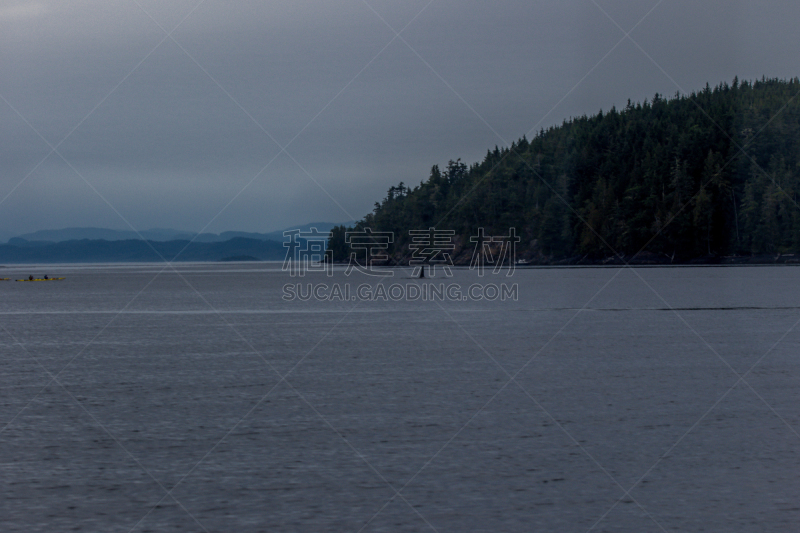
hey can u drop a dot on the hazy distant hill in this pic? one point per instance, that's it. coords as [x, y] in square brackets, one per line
[75, 234]
[102, 251]
[157, 234]
[322, 227]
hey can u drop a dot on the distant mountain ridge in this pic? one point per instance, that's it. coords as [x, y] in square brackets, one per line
[98, 245]
[158, 234]
[103, 251]
[77, 234]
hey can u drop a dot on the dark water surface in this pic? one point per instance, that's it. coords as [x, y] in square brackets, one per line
[660, 399]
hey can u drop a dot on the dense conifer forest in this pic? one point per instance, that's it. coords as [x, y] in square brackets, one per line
[696, 177]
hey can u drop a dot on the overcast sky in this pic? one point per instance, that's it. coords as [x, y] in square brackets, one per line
[257, 115]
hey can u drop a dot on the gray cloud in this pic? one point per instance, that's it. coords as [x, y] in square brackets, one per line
[169, 147]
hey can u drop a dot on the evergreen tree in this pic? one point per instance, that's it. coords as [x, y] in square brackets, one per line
[715, 172]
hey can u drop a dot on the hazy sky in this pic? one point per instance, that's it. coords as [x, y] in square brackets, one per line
[256, 115]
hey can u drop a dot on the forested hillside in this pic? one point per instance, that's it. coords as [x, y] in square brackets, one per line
[711, 174]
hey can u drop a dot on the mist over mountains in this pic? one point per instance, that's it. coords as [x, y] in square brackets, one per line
[99, 245]
[158, 234]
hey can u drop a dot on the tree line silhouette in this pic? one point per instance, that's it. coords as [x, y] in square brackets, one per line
[710, 174]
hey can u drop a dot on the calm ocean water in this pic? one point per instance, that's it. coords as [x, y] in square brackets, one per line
[134, 398]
